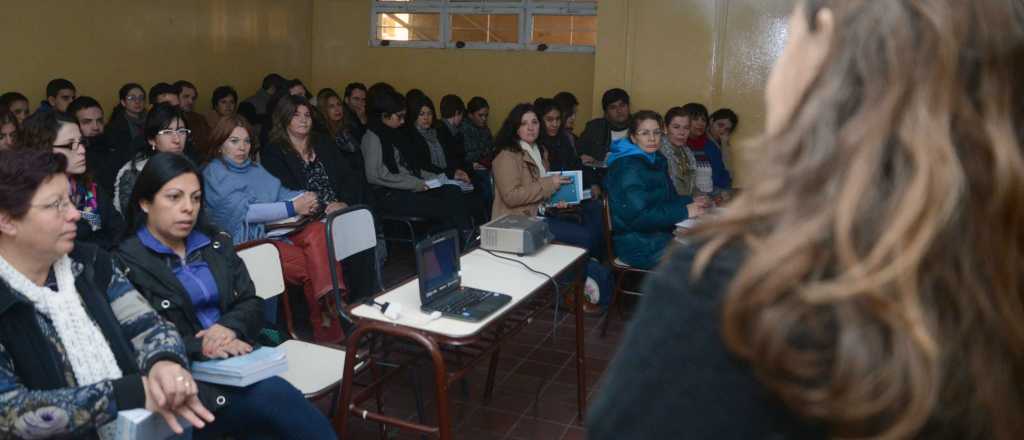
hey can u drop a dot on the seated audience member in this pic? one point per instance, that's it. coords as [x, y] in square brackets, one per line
[124, 130]
[243, 198]
[224, 101]
[78, 343]
[521, 185]
[600, 133]
[432, 156]
[569, 105]
[682, 166]
[400, 186]
[308, 161]
[101, 158]
[187, 95]
[479, 146]
[867, 285]
[163, 93]
[17, 104]
[331, 108]
[165, 132]
[189, 271]
[722, 123]
[100, 224]
[355, 110]
[271, 84]
[8, 130]
[295, 87]
[556, 145]
[706, 152]
[59, 94]
[453, 111]
[643, 202]
[477, 135]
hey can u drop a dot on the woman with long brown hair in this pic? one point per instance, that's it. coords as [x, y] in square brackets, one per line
[869, 283]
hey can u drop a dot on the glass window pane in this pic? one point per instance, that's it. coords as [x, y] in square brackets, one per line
[408, 27]
[570, 30]
[485, 28]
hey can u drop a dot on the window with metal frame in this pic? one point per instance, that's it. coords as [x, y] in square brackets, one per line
[544, 25]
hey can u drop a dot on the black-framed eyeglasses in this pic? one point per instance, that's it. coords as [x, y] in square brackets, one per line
[80, 142]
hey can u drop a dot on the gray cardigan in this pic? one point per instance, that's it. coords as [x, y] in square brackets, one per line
[379, 174]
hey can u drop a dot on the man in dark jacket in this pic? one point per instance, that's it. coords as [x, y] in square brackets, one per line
[600, 133]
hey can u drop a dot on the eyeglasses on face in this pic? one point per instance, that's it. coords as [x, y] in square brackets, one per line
[59, 206]
[139, 98]
[181, 132]
[72, 144]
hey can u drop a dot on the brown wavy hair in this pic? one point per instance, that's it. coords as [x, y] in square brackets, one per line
[881, 294]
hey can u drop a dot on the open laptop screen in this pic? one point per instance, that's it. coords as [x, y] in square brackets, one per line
[438, 264]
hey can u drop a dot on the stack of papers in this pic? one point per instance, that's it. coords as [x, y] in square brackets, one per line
[241, 371]
[145, 425]
[444, 180]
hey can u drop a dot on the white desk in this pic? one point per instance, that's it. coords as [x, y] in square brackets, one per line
[483, 271]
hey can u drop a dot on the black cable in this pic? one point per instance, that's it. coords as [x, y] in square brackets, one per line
[558, 297]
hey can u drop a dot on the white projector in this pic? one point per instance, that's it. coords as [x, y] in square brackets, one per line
[513, 233]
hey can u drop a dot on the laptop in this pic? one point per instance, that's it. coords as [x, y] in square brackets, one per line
[438, 264]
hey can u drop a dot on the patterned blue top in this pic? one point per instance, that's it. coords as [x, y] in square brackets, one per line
[75, 411]
[193, 273]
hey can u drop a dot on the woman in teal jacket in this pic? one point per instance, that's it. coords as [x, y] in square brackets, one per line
[644, 204]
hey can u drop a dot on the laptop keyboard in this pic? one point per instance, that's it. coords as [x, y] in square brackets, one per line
[463, 300]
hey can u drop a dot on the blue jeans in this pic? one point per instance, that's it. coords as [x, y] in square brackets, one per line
[584, 236]
[271, 408]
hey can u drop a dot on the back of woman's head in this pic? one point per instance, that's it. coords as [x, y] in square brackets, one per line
[22, 172]
[892, 192]
[40, 130]
[160, 169]
[508, 135]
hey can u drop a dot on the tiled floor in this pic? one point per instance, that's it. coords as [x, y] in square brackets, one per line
[535, 391]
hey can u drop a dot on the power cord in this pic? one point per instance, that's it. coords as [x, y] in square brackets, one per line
[558, 297]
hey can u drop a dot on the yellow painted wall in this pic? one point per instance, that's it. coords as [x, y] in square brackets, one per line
[100, 45]
[670, 52]
[341, 54]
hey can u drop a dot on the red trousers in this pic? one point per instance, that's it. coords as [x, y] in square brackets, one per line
[305, 263]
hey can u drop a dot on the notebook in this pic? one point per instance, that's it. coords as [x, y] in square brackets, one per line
[571, 192]
[244, 370]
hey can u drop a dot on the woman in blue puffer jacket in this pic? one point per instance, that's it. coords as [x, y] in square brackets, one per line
[644, 205]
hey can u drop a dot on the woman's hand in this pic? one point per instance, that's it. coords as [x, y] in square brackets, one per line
[334, 206]
[306, 204]
[215, 337]
[695, 210]
[169, 384]
[703, 201]
[587, 159]
[237, 347]
[562, 205]
[559, 180]
[190, 409]
[461, 175]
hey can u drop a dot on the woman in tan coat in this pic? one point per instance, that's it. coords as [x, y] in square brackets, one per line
[520, 186]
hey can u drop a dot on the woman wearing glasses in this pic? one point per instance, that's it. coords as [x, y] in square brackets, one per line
[124, 131]
[644, 204]
[165, 131]
[78, 343]
[100, 223]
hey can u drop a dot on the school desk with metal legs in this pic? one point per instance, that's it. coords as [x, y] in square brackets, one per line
[458, 345]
